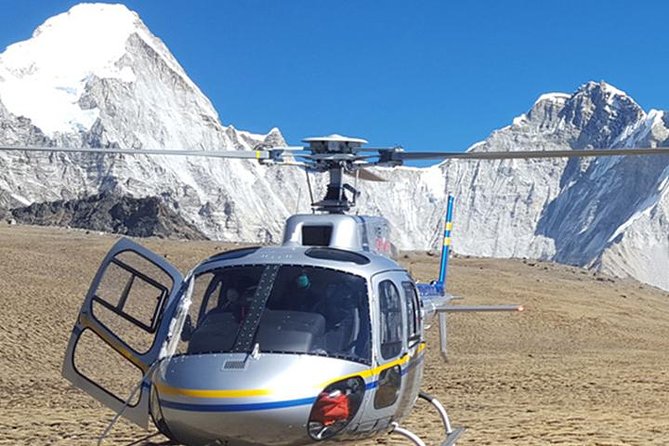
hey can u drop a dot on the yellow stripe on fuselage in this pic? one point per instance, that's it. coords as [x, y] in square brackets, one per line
[204, 393]
[164, 389]
[377, 370]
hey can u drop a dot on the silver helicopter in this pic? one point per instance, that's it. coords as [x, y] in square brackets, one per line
[321, 338]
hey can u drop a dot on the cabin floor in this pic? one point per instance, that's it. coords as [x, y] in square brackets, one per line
[587, 363]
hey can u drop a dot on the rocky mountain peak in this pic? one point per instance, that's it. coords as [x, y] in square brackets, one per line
[546, 111]
[601, 113]
[274, 138]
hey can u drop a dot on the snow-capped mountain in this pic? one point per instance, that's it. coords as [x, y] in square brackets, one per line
[610, 214]
[96, 76]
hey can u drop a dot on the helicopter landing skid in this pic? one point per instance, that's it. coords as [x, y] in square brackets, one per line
[451, 434]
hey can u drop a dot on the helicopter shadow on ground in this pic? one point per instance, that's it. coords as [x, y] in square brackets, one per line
[146, 441]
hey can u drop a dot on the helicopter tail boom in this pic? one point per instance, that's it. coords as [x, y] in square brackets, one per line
[436, 300]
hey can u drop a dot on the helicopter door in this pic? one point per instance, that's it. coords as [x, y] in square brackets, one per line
[391, 345]
[121, 328]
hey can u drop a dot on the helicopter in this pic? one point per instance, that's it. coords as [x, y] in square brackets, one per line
[321, 338]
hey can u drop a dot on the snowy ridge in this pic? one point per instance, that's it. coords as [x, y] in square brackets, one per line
[123, 88]
[553, 97]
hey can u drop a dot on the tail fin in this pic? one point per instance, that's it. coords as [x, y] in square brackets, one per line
[435, 298]
[446, 248]
[433, 294]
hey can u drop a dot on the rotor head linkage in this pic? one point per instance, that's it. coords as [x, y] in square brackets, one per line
[335, 154]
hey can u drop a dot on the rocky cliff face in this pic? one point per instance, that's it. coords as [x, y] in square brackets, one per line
[120, 87]
[108, 212]
[607, 214]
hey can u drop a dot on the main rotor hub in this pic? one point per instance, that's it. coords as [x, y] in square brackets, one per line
[335, 154]
[334, 144]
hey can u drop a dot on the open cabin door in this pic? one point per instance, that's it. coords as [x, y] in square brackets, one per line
[121, 328]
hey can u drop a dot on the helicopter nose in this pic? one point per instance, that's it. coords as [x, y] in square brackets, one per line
[239, 424]
[233, 400]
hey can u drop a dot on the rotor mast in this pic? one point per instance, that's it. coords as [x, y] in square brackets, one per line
[335, 154]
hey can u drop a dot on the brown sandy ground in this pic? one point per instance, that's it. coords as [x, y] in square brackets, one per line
[587, 363]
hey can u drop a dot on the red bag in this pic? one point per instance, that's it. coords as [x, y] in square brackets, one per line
[330, 408]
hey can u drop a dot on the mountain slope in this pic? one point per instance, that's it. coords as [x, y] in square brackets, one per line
[608, 214]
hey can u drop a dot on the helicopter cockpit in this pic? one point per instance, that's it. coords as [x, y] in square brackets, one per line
[300, 309]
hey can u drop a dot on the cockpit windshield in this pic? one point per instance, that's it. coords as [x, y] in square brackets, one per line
[279, 309]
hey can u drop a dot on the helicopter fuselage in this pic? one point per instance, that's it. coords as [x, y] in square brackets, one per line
[220, 385]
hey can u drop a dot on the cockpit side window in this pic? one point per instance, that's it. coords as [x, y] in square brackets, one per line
[390, 304]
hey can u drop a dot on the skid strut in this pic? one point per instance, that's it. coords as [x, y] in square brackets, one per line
[451, 434]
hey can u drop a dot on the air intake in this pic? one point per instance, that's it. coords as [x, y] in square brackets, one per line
[313, 235]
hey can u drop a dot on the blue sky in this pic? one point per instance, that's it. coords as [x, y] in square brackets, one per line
[428, 75]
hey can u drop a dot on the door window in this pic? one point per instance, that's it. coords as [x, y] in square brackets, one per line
[413, 312]
[129, 299]
[94, 358]
[391, 319]
[390, 381]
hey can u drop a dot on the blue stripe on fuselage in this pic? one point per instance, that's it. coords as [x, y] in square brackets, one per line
[237, 407]
[268, 405]
[413, 363]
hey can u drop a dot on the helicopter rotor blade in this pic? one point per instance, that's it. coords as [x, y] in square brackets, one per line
[387, 156]
[398, 156]
[238, 154]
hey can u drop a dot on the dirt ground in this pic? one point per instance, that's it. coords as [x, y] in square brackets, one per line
[587, 363]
